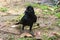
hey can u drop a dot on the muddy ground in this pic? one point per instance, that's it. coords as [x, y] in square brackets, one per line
[47, 24]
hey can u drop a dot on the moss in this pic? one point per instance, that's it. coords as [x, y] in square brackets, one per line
[26, 39]
[3, 9]
[57, 15]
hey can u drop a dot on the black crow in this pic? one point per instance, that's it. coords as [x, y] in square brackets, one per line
[29, 18]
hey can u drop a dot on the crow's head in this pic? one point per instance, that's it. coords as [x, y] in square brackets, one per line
[29, 10]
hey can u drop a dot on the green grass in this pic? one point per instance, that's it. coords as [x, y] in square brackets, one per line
[57, 15]
[50, 9]
[3, 9]
[46, 37]
[52, 38]
[37, 5]
[11, 37]
[26, 39]
[19, 17]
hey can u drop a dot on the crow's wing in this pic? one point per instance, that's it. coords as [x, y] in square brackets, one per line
[34, 19]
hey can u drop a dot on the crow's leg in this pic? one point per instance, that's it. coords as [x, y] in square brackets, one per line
[31, 27]
[23, 27]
